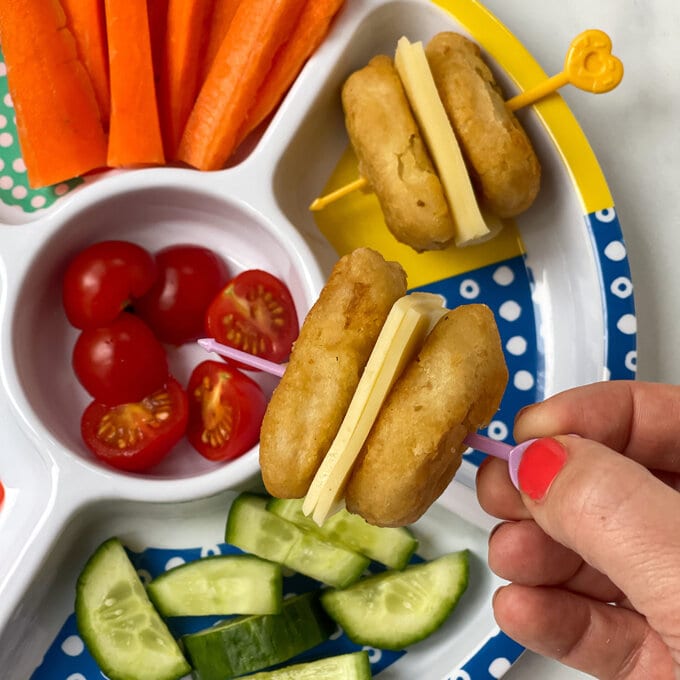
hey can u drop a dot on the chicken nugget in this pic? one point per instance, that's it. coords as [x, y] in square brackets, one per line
[328, 358]
[453, 387]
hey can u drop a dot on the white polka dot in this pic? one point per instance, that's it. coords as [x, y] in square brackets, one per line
[19, 192]
[606, 215]
[615, 251]
[76, 676]
[607, 374]
[6, 182]
[499, 667]
[523, 380]
[631, 361]
[19, 165]
[3, 68]
[6, 139]
[8, 100]
[510, 310]
[174, 562]
[3, 121]
[622, 287]
[2, 164]
[503, 276]
[469, 289]
[72, 646]
[497, 430]
[144, 576]
[460, 675]
[61, 189]
[627, 324]
[38, 201]
[516, 345]
[374, 655]
[210, 550]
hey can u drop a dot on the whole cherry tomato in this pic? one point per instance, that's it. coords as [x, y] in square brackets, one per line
[188, 279]
[136, 436]
[121, 362]
[255, 313]
[103, 279]
[226, 409]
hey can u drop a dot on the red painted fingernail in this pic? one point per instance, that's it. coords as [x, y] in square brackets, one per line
[539, 466]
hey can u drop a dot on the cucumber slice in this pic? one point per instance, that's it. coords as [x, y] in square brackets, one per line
[220, 585]
[250, 643]
[352, 666]
[392, 547]
[253, 528]
[397, 608]
[118, 623]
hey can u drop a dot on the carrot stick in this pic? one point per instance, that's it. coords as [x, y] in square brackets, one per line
[58, 120]
[187, 23]
[309, 32]
[157, 11]
[222, 15]
[86, 21]
[257, 30]
[134, 130]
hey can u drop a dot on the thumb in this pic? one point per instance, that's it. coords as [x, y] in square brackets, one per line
[615, 514]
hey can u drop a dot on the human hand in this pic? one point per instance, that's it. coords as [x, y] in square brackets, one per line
[592, 551]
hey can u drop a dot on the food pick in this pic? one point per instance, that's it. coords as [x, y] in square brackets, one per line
[492, 447]
[589, 65]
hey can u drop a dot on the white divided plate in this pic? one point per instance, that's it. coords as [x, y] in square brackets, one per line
[557, 280]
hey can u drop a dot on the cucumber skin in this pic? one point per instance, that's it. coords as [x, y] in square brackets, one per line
[82, 619]
[231, 649]
[156, 589]
[291, 510]
[356, 666]
[387, 636]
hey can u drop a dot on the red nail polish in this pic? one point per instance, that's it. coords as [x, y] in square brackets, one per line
[539, 466]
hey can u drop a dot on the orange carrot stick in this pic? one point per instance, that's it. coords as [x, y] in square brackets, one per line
[58, 120]
[187, 24]
[307, 35]
[257, 30]
[221, 18]
[86, 21]
[134, 130]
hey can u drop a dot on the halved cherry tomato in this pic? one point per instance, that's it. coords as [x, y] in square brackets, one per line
[188, 279]
[136, 436]
[102, 280]
[121, 362]
[2, 494]
[226, 409]
[255, 313]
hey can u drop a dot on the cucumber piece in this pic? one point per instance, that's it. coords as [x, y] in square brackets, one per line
[219, 585]
[392, 547]
[118, 624]
[352, 666]
[250, 643]
[254, 529]
[397, 608]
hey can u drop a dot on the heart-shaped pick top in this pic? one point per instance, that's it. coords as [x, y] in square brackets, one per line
[590, 64]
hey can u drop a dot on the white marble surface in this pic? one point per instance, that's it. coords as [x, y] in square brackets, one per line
[635, 133]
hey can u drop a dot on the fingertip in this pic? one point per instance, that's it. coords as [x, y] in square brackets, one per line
[496, 493]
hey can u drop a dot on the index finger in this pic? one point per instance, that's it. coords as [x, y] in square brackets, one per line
[639, 419]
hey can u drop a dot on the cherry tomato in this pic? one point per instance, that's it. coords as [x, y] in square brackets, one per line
[102, 280]
[188, 279]
[136, 436]
[121, 362]
[255, 313]
[226, 409]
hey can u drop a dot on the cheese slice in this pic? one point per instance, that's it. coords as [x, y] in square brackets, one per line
[421, 91]
[403, 333]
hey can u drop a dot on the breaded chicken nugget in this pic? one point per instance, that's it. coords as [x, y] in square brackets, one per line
[453, 387]
[499, 154]
[336, 339]
[393, 157]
